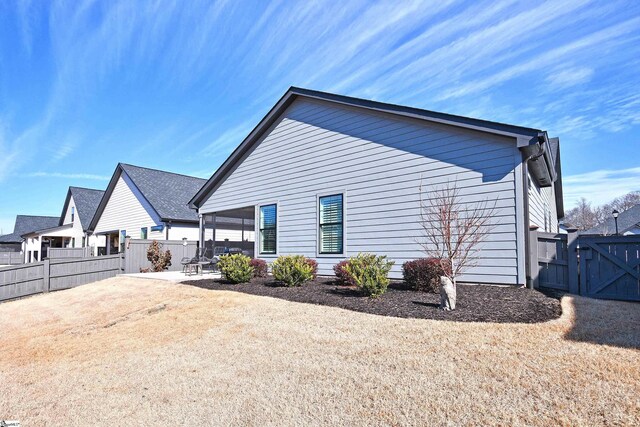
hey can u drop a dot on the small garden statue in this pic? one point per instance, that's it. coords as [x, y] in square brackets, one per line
[447, 294]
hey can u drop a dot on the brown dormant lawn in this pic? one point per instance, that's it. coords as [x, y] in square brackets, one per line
[145, 352]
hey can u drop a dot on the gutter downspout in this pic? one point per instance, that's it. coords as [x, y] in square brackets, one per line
[525, 183]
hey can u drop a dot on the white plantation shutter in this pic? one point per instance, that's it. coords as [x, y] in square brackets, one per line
[331, 225]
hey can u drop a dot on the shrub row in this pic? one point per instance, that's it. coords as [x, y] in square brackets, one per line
[368, 272]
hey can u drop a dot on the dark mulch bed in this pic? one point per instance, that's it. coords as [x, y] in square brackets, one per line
[476, 303]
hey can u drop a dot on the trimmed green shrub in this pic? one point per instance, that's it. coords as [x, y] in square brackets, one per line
[370, 273]
[423, 274]
[236, 268]
[260, 268]
[343, 277]
[292, 270]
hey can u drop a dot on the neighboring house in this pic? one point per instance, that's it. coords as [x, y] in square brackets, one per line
[24, 225]
[628, 223]
[71, 229]
[328, 176]
[145, 203]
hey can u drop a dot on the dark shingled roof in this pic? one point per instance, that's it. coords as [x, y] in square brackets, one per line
[626, 220]
[28, 223]
[86, 200]
[168, 193]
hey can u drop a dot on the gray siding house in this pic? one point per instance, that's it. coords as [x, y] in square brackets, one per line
[328, 176]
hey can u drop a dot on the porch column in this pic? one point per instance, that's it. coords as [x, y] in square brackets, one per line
[201, 231]
[39, 248]
[214, 231]
[108, 246]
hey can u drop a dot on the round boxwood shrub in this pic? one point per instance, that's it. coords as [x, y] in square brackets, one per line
[343, 277]
[260, 268]
[292, 270]
[236, 268]
[423, 274]
[370, 273]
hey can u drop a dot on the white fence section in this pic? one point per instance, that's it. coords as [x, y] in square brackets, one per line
[11, 258]
[57, 253]
[136, 253]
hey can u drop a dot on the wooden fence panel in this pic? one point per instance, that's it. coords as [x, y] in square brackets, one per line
[34, 278]
[57, 253]
[552, 259]
[23, 280]
[69, 273]
[11, 258]
[136, 254]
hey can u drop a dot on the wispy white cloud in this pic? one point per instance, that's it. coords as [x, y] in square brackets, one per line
[63, 151]
[229, 139]
[87, 176]
[569, 77]
[600, 186]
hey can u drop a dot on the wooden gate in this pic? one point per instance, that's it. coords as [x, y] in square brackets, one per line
[551, 261]
[610, 267]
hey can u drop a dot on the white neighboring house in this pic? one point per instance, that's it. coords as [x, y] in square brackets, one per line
[328, 176]
[71, 229]
[25, 224]
[144, 203]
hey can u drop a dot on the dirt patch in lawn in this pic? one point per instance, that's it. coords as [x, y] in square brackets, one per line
[476, 303]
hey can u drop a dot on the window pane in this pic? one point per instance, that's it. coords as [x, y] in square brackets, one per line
[331, 230]
[331, 209]
[268, 225]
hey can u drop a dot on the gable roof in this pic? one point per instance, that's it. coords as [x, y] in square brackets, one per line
[26, 224]
[626, 220]
[168, 193]
[86, 201]
[525, 136]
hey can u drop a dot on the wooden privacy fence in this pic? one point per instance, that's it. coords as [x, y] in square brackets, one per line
[11, 258]
[135, 253]
[605, 267]
[57, 253]
[56, 274]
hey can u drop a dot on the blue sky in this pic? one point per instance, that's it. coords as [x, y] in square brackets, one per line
[176, 85]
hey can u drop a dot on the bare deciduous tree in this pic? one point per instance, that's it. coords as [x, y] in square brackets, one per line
[585, 216]
[453, 229]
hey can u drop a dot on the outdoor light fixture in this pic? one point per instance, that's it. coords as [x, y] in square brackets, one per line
[615, 214]
[184, 241]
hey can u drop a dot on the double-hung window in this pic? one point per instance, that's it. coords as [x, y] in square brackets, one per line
[268, 229]
[331, 224]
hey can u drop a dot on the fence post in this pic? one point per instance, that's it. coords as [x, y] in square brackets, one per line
[572, 262]
[46, 266]
[534, 268]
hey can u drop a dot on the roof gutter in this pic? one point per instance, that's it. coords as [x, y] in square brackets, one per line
[525, 190]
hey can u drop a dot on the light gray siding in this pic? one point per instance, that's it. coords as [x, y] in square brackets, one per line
[542, 207]
[378, 161]
[128, 210]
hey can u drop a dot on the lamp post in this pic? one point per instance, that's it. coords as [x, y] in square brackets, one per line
[615, 214]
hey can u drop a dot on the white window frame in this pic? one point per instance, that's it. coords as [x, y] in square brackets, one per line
[258, 236]
[343, 192]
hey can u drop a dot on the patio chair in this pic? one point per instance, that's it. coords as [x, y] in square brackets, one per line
[185, 263]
